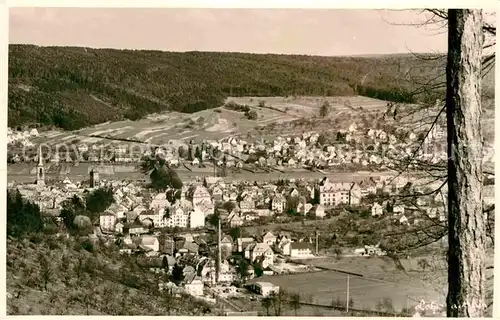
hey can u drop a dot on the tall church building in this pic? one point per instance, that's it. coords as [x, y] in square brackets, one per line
[40, 169]
[94, 178]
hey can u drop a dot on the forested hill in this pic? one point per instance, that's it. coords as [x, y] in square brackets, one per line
[72, 87]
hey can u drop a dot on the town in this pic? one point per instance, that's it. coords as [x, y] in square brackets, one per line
[247, 166]
[197, 234]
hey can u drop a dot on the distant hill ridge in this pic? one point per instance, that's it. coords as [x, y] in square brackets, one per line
[72, 87]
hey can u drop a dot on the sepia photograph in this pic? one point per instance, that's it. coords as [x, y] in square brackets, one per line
[250, 162]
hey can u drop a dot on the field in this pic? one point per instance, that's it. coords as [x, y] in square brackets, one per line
[215, 124]
[281, 116]
[326, 286]
[381, 280]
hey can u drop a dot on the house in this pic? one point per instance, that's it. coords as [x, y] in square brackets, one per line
[201, 194]
[119, 227]
[294, 192]
[333, 194]
[127, 248]
[139, 209]
[227, 272]
[398, 209]
[285, 246]
[377, 210]
[304, 208]
[147, 218]
[217, 194]
[269, 238]
[264, 288]
[151, 242]
[248, 249]
[195, 287]
[403, 220]
[159, 201]
[263, 212]
[196, 219]
[117, 209]
[177, 218]
[300, 250]
[107, 221]
[242, 243]
[227, 242]
[247, 204]
[205, 206]
[136, 229]
[278, 203]
[250, 216]
[235, 221]
[184, 247]
[262, 250]
[318, 211]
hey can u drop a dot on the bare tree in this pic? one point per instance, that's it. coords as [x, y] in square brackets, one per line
[466, 224]
[294, 302]
[266, 303]
[46, 271]
[471, 40]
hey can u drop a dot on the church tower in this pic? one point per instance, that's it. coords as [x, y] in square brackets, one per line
[94, 178]
[40, 169]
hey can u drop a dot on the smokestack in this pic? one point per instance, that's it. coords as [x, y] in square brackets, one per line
[219, 250]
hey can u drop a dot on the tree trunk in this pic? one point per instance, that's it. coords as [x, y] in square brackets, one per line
[466, 252]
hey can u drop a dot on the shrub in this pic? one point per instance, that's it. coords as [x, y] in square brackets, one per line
[53, 245]
[87, 245]
[251, 115]
[36, 238]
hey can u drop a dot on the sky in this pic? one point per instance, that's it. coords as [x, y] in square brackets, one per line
[326, 32]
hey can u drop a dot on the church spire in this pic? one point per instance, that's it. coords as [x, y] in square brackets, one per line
[40, 156]
[40, 170]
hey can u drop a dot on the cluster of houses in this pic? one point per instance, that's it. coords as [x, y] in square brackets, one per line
[134, 220]
[21, 137]
[138, 210]
[192, 253]
[361, 148]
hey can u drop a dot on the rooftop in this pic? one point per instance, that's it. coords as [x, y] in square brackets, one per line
[265, 284]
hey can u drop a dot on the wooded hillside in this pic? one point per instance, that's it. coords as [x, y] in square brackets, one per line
[72, 87]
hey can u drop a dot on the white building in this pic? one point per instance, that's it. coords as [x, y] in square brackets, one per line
[278, 203]
[159, 201]
[177, 218]
[334, 194]
[377, 210]
[264, 288]
[269, 238]
[107, 221]
[300, 250]
[151, 242]
[195, 288]
[196, 219]
[265, 251]
[201, 194]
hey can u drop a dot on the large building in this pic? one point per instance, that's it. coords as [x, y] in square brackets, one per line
[196, 219]
[334, 194]
[200, 194]
[177, 218]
